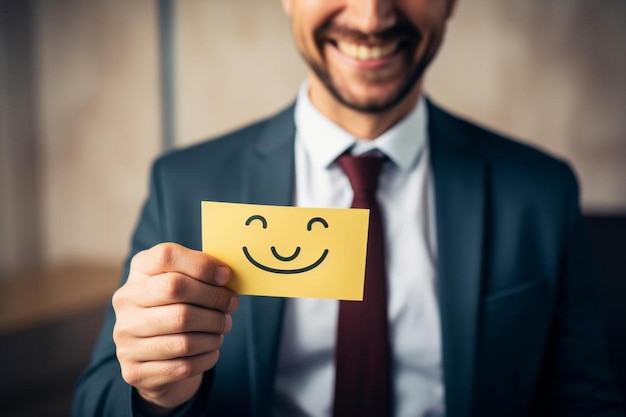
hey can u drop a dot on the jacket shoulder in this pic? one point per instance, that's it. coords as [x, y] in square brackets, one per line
[509, 160]
[227, 149]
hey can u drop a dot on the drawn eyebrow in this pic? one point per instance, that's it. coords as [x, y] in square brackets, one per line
[316, 219]
[257, 217]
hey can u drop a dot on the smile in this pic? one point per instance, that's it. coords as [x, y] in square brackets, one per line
[367, 52]
[284, 259]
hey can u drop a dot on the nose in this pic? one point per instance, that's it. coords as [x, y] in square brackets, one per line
[370, 16]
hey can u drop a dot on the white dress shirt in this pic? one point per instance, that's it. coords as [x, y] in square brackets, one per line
[306, 372]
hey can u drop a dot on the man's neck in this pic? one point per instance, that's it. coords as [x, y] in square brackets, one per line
[360, 124]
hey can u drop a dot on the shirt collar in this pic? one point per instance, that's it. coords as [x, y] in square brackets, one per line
[325, 141]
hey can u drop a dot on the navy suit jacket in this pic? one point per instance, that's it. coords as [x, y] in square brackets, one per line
[515, 283]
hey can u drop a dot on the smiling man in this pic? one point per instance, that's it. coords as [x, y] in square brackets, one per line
[480, 298]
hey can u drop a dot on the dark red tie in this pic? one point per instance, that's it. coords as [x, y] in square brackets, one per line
[362, 358]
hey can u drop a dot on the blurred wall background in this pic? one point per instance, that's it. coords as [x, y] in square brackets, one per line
[81, 111]
[80, 120]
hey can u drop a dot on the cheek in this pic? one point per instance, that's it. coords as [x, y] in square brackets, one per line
[425, 15]
[303, 33]
[307, 17]
[429, 17]
[308, 48]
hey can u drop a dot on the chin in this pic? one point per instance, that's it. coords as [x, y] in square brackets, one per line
[375, 99]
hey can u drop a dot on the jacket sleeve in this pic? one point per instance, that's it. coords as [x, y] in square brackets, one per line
[101, 391]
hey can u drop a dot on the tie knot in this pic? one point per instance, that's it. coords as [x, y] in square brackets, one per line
[363, 173]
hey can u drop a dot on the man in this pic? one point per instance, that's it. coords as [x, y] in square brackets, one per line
[491, 306]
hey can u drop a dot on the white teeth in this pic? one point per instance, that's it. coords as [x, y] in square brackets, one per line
[364, 52]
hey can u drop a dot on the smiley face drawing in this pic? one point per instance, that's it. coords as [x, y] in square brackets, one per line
[278, 251]
[289, 258]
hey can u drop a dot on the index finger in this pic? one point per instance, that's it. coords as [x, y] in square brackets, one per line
[172, 257]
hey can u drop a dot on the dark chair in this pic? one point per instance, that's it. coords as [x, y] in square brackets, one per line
[608, 235]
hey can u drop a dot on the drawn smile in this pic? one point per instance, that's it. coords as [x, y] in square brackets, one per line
[284, 259]
[281, 258]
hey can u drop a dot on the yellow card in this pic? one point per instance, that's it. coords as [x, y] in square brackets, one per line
[289, 251]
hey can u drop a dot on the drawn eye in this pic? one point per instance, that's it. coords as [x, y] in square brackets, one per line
[259, 218]
[316, 220]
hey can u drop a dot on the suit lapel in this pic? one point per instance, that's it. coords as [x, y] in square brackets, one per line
[270, 181]
[459, 178]
[271, 162]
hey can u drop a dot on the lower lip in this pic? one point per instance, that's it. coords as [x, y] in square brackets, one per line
[370, 64]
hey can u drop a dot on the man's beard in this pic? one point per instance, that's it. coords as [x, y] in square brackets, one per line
[373, 106]
[408, 37]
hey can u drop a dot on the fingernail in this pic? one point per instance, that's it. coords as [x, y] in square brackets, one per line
[233, 304]
[229, 323]
[222, 275]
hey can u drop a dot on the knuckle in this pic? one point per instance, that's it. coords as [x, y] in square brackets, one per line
[172, 287]
[182, 369]
[183, 345]
[119, 334]
[123, 344]
[164, 253]
[119, 298]
[121, 352]
[180, 317]
[139, 259]
[135, 260]
[131, 374]
[121, 330]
